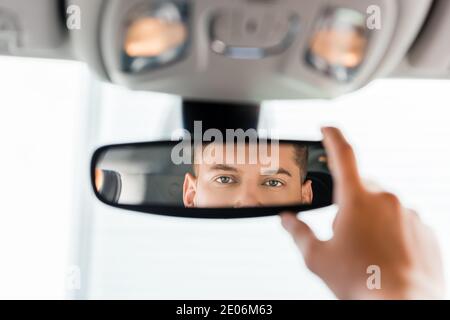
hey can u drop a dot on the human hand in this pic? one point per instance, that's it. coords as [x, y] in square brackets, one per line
[371, 228]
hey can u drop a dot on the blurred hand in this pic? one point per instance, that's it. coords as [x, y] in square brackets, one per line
[371, 230]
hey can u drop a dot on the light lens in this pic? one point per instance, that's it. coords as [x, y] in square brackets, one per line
[155, 36]
[151, 37]
[338, 44]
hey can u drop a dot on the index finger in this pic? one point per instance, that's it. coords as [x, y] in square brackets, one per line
[342, 163]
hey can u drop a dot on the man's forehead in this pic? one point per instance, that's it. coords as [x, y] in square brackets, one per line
[250, 153]
[270, 147]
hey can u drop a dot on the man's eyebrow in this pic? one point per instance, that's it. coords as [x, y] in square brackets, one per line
[269, 172]
[223, 167]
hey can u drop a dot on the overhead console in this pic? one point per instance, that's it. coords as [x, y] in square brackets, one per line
[235, 49]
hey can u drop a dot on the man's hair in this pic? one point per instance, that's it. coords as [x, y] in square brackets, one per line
[300, 156]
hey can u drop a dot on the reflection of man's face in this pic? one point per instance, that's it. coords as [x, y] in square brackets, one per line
[222, 183]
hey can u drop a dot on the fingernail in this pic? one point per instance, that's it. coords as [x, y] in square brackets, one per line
[287, 220]
[325, 129]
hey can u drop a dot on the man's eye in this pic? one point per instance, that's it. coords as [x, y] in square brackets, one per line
[224, 180]
[273, 183]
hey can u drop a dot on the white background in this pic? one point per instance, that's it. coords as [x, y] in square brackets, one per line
[52, 115]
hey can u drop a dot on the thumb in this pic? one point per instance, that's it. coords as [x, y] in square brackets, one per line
[304, 238]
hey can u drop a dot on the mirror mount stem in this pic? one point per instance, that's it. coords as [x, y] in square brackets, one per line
[220, 115]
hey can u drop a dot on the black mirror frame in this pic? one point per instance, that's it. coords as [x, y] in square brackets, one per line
[205, 213]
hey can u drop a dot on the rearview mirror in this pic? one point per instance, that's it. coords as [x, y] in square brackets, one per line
[213, 180]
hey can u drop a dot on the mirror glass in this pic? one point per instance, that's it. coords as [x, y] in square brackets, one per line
[265, 173]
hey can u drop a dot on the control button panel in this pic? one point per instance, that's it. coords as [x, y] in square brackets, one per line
[252, 34]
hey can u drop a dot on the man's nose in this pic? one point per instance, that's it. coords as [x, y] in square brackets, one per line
[247, 198]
